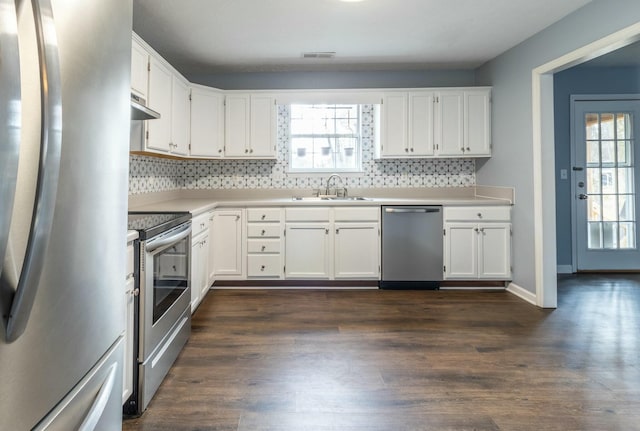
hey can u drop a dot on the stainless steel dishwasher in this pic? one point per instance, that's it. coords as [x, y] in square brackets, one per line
[411, 247]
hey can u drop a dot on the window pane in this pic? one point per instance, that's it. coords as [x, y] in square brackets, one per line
[608, 152]
[609, 235]
[607, 126]
[593, 152]
[609, 208]
[591, 121]
[593, 180]
[625, 180]
[624, 156]
[624, 127]
[594, 236]
[593, 208]
[626, 207]
[627, 235]
[609, 180]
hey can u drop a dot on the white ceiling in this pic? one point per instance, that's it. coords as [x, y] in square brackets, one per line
[213, 36]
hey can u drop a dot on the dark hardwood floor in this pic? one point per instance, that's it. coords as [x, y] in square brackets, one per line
[293, 360]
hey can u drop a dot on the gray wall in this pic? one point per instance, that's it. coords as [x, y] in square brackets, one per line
[325, 80]
[511, 78]
[574, 81]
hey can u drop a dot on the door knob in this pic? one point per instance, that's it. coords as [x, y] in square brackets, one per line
[583, 196]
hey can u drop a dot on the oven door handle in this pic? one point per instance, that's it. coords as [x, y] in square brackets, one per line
[166, 240]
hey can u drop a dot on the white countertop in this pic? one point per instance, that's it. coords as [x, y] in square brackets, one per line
[199, 205]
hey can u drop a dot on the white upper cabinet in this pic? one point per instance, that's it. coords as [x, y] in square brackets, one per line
[159, 99]
[139, 69]
[250, 126]
[207, 122]
[463, 123]
[407, 124]
[179, 116]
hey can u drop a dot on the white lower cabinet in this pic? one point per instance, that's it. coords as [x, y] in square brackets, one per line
[332, 243]
[477, 243]
[308, 250]
[199, 259]
[227, 244]
[129, 295]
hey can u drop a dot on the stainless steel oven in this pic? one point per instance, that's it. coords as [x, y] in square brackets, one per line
[163, 307]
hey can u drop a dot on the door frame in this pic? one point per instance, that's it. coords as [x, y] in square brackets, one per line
[544, 188]
[574, 210]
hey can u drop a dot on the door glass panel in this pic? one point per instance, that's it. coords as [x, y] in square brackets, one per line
[610, 181]
[627, 235]
[610, 234]
[607, 129]
[595, 235]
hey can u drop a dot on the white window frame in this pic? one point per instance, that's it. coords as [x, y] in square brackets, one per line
[359, 169]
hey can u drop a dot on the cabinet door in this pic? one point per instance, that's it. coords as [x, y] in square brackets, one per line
[263, 127]
[356, 250]
[307, 250]
[196, 273]
[421, 124]
[179, 117]
[477, 123]
[237, 125]
[127, 370]
[227, 239]
[159, 99]
[450, 123]
[393, 129]
[461, 250]
[494, 256]
[139, 69]
[207, 123]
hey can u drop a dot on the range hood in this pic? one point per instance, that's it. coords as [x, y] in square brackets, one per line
[139, 110]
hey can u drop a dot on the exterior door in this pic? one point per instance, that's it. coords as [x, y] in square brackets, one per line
[605, 184]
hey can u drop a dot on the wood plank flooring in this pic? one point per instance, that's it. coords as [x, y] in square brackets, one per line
[293, 360]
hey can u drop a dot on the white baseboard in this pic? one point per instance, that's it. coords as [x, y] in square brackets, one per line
[301, 287]
[565, 269]
[522, 293]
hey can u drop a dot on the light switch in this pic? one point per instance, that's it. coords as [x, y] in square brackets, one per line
[563, 174]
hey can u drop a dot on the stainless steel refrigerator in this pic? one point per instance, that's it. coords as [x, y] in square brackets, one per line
[64, 134]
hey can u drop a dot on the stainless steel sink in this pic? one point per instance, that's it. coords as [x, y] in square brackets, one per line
[330, 198]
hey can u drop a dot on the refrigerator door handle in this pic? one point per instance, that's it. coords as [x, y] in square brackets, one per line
[10, 118]
[91, 420]
[48, 170]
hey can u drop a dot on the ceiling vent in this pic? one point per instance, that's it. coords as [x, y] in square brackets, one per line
[327, 54]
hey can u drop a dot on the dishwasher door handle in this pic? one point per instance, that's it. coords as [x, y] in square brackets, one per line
[412, 210]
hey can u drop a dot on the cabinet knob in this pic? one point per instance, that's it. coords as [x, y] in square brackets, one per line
[220, 150]
[251, 150]
[479, 215]
[337, 231]
[406, 150]
[326, 231]
[264, 248]
[412, 150]
[263, 216]
[462, 149]
[468, 149]
[476, 229]
[263, 232]
[246, 151]
[262, 268]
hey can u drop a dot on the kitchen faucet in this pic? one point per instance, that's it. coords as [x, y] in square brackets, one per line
[326, 192]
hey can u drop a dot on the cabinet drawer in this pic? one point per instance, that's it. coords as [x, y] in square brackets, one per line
[307, 214]
[263, 246]
[264, 265]
[357, 213]
[263, 230]
[199, 224]
[498, 213]
[263, 214]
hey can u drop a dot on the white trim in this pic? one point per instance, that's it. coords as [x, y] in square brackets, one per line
[300, 287]
[544, 198]
[472, 288]
[522, 293]
[564, 269]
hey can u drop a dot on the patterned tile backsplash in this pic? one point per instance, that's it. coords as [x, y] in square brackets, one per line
[152, 174]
